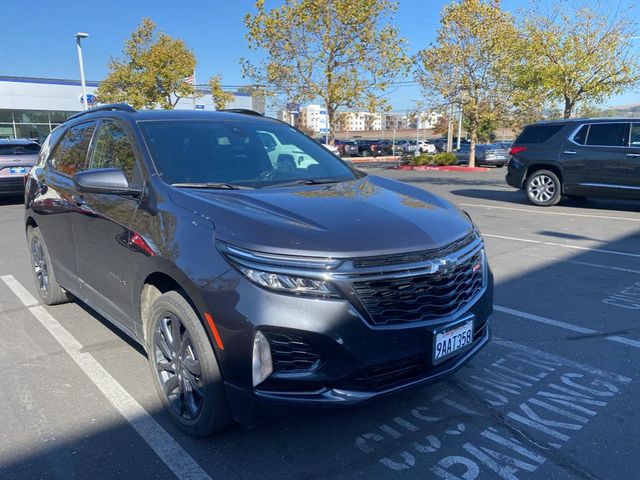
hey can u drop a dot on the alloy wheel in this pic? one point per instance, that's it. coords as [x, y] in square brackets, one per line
[542, 188]
[40, 266]
[178, 366]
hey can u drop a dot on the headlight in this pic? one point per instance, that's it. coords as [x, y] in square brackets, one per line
[283, 273]
[288, 283]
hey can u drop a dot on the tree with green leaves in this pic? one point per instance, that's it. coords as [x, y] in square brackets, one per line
[152, 71]
[476, 46]
[575, 53]
[343, 52]
[221, 98]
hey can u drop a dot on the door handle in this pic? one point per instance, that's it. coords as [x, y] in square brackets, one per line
[633, 154]
[79, 201]
[569, 152]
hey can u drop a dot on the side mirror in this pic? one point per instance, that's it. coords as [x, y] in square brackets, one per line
[105, 180]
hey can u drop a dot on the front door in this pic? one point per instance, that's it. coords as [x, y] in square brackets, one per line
[102, 233]
[630, 168]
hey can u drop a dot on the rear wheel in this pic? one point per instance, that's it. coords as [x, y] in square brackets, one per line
[543, 188]
[49, 290]
[184, 367]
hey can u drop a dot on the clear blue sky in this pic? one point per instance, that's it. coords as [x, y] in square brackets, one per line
[38, 36]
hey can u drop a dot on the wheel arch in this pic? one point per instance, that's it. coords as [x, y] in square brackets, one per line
[161, 277]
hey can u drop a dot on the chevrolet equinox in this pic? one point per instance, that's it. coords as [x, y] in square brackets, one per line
[253, 276]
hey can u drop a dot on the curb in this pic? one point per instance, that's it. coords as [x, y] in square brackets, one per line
[446, 168]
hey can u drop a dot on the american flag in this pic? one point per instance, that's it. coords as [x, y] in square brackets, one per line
[189, 79]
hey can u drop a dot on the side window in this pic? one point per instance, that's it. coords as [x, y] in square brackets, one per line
[581, 136]
[71, 155]
[635, 135]
[112, 149]
[608, 134]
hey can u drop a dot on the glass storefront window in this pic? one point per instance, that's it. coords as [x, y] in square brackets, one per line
[6, 131]
[31, 116]
[32, 131]
[5, 116]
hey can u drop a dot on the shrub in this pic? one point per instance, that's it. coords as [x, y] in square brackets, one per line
[419, 160]
[445, 158]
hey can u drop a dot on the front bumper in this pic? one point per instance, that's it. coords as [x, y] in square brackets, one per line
[349, 360]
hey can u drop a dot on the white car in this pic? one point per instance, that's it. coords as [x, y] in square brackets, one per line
[426, 147]
[332, 148]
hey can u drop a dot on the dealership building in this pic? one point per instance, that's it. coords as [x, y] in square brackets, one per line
[32, 107]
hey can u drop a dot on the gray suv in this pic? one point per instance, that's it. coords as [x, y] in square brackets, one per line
[577, 158]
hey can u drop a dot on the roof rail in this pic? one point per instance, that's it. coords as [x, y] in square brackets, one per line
[243, 111]
[123, 107]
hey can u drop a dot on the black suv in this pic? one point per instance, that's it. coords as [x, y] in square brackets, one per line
[250, 276]
[577, 158]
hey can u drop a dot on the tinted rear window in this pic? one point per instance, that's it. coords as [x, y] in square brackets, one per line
[29, 149]
[538, 133]
[608, 134]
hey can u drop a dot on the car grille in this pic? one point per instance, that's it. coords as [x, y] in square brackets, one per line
[422, 297]
[290, 353]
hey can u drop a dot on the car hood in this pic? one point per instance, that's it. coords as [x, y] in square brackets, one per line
[367, 216]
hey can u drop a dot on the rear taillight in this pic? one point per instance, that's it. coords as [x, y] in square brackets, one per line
[516, 150]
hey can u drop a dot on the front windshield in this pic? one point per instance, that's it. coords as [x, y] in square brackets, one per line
[252, 154]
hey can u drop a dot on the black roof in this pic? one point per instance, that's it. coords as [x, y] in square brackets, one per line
[127, 111]
[566, 121]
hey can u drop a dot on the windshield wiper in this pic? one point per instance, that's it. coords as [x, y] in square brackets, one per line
[306, 181]
[215, 185]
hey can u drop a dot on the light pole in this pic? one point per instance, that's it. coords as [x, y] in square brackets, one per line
[79, 36]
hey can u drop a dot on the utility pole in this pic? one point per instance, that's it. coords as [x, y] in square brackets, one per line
[450, 130]
[79, 36]
[459, 126]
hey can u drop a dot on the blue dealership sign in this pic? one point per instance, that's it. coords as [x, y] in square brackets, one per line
[91, 99]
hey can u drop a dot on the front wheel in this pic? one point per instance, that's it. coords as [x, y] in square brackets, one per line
[49, 290]
[543, 188]
[184, 367]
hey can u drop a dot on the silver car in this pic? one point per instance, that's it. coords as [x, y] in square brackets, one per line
[16, 159]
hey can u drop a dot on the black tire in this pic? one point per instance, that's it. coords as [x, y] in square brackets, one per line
[186, 375]
[543, 188]
[49, 290]
[366, 153]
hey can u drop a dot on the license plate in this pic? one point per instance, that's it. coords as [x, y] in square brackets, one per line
[451, 340]
[18, 170]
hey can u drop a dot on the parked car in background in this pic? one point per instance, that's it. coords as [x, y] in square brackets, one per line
[577, 158]
[491, 155]
[425, 146]
[347, 148]
[365, 147]
[16, 159]
[247, 283]
[332, 148]
[382, 148]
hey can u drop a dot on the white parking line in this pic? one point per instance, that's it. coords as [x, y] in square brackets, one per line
[19, 291]
[562, 245]
[585, 264]
[567, 326]
[169, 451]
[547, 212]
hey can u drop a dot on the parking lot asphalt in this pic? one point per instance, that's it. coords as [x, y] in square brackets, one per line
[554, 395]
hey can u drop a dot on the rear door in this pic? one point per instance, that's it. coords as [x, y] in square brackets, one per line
[54, 203]
[101, 228]
[593, 156]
